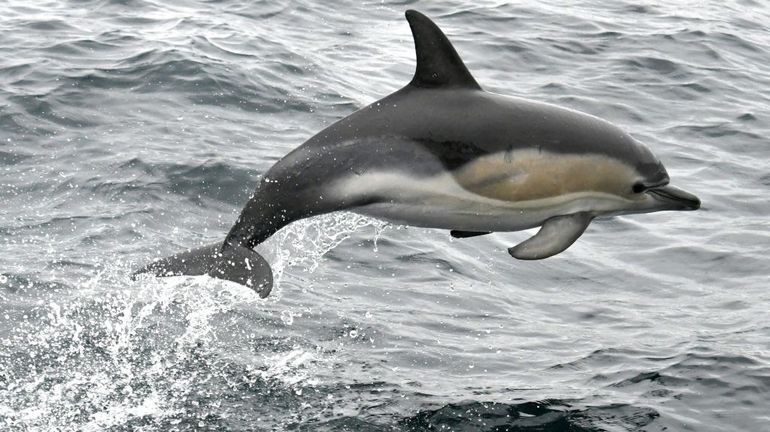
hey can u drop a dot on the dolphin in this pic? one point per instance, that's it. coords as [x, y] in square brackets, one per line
[443, 153]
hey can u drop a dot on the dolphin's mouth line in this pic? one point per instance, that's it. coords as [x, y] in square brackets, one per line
[673, 195]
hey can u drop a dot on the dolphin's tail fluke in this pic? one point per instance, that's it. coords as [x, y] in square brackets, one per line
[233, 263]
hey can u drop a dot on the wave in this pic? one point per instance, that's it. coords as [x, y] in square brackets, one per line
[133, 128]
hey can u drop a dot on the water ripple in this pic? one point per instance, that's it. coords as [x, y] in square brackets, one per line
[130, 129]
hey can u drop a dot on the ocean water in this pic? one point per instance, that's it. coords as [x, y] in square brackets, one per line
[131, 129]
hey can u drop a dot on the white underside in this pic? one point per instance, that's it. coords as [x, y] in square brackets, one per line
[440, 202]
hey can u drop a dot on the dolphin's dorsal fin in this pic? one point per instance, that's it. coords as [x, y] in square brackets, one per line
[438, 64]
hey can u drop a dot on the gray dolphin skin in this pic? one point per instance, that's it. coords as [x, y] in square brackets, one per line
[443, 153]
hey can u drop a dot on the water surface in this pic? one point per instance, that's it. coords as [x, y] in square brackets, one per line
[131, 129]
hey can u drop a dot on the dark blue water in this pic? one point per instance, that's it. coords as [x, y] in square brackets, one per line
[131, 129]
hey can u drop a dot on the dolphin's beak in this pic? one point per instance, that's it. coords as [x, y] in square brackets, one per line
[673, 198]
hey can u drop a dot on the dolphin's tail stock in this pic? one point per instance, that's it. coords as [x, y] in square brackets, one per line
[234, 263]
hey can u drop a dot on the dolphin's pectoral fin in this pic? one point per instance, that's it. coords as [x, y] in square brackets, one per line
[466, 234]
[556, 235]
[233, 263]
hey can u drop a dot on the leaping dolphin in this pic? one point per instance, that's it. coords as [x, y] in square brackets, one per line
[443, 153]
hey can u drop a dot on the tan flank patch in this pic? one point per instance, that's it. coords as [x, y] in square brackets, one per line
[525, 175]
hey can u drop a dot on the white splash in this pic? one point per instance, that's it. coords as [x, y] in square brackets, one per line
[302, 245]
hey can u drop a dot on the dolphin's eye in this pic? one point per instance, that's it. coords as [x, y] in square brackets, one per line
[638, 188]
